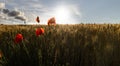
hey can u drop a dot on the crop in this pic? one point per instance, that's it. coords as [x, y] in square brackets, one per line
[60, 45]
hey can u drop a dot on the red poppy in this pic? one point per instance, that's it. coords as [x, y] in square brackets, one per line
[52, 21]
[37, 19]
[39, 31]
[18, 38]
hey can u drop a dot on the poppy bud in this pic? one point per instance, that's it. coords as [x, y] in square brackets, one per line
[37, 19]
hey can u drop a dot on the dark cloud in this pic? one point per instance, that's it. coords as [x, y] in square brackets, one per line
[14, 13]
[5, 11]
[20, 18]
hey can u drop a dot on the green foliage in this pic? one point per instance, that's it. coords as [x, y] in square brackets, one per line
[61, 45]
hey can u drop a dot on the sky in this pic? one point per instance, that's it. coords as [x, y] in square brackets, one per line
[65, 11]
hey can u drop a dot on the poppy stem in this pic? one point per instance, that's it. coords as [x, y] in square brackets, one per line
[26, 50]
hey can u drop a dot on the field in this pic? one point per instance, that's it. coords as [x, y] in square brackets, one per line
[61, 45]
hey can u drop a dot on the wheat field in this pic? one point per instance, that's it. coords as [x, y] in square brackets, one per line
[61, 45]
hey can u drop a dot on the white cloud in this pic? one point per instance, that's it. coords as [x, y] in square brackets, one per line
[75, 10]
[2, 5]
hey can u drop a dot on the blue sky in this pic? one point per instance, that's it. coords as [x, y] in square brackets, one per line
[81, 11]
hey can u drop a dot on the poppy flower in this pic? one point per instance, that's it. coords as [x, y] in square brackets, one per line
[18, 38]
[52, 21]
[39, 31]
[37, 19]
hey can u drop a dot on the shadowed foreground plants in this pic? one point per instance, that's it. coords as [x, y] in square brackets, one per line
[61, 45]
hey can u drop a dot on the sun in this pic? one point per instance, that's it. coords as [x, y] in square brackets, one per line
[62, 14]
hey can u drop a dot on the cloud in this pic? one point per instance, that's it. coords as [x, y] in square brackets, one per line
[26, 7]
[20, 18]
[44, 9]
[5, 11]
[2, 17]
[2, 5]
[75, 10]
[16, 14]
[13, 13]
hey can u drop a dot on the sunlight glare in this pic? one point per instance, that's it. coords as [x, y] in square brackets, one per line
[62, 15]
